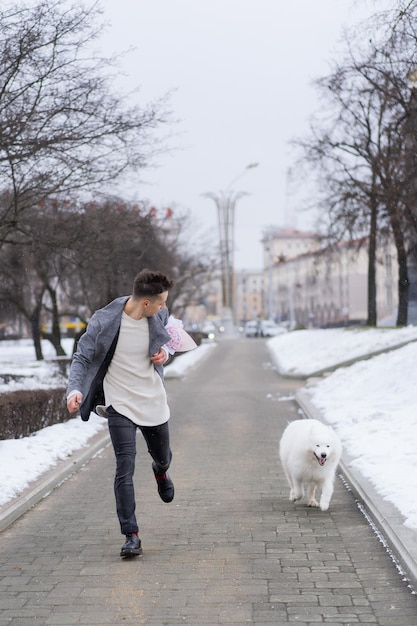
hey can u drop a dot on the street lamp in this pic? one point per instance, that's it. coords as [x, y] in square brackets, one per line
[226, 202]
[248, 167]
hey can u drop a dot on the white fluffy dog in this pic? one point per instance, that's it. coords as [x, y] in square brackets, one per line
[310, 452]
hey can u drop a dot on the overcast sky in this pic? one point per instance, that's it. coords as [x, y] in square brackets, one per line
[240, 72]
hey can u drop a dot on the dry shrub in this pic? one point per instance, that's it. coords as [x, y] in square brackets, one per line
[26, 411]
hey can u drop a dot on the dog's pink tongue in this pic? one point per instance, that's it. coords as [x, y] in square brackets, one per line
[322, 461]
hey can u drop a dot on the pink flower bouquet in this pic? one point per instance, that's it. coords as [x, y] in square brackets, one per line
[180, 340]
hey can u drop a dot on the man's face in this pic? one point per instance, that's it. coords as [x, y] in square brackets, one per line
[156, 304]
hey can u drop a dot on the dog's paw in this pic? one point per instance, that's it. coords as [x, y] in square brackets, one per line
[324, 506]
[313, 502]
[294, 496]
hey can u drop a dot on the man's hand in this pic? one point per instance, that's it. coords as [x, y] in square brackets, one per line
[74, 401]
[159, 357]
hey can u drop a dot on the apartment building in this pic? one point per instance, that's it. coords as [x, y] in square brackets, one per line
[305, 285]
[311, 287]
[249, 291]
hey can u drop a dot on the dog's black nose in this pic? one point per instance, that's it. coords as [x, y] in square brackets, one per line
[323, 455]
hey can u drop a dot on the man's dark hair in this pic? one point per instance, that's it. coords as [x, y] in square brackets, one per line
[148, 284]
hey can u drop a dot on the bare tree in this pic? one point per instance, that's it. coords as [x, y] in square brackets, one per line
[366, 145]
[344, 148]
[72, 260]
[31, 269]
[62, 128]
[20, 292]
[111, 241]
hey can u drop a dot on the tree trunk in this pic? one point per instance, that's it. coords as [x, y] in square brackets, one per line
[55, 335]
[36, 335]
[372, 308]
[403, 282]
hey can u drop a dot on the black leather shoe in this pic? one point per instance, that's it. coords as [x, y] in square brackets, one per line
[165, 487]
[132, 546]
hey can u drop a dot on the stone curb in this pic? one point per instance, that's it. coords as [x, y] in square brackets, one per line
[383, 514]
[11, 511]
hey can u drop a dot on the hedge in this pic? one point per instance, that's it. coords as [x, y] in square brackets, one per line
[26, 411]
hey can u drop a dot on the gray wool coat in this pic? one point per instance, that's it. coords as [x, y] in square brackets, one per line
[96, 348]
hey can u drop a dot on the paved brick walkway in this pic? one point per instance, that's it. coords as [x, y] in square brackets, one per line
[230, 549]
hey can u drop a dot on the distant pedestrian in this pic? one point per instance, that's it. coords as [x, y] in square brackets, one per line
[117, 371]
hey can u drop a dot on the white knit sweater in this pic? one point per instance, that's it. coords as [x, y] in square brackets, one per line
[132, 385]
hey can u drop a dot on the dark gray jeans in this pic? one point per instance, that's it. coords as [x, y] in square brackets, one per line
[123, 437]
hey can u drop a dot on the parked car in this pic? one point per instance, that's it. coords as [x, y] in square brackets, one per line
[209, 329]
[271, 329]
[252, 328]
[263, 328]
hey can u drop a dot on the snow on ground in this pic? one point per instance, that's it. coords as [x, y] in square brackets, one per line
[371, 404]
[24, 460]
[304, 352]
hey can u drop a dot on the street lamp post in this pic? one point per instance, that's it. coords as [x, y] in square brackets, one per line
[226, 203]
